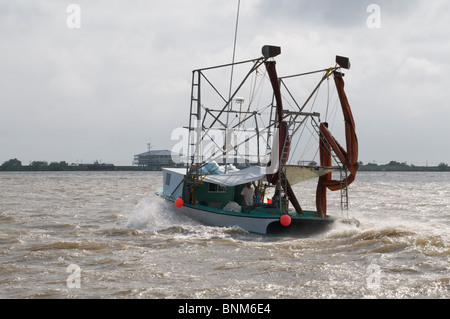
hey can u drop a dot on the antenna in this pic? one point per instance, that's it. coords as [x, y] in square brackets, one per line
[234, 47]
[230, 104]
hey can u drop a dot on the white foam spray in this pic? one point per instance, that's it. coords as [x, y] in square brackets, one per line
[151, 213]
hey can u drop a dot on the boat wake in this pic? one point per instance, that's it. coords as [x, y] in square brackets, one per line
[376, 238]
[153, 214]
[363, 234]
[350, 221]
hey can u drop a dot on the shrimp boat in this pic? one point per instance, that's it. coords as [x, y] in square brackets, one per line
[235, 142]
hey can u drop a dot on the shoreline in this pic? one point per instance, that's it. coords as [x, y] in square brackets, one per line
[362, 168]
[80, 169]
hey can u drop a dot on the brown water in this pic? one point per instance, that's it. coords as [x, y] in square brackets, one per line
[106, 235]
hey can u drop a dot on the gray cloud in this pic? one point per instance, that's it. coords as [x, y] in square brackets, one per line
[123, 79]
[335, 14]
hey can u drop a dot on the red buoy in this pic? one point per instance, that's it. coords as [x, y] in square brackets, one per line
[179, 202]
[285, 220]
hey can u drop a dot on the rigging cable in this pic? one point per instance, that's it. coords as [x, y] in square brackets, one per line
[234, 54]
[308, 145]
[232, 67]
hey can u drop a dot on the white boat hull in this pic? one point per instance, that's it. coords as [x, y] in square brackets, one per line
[251, 224]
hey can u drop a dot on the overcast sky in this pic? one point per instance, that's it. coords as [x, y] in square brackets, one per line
[122, 79]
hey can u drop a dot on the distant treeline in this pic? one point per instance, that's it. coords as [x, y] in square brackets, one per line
[16, 165]
[394, 166]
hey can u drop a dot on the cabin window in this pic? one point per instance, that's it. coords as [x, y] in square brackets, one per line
[214, 188]
[167, 179]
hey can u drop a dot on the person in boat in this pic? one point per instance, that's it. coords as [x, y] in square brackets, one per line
[258, 202]
[247, 195]
[276, 197]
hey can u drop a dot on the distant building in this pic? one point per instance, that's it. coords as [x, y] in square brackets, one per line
[157, 159]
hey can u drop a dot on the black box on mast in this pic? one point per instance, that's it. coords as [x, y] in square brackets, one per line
[270, 51]
[343, 62]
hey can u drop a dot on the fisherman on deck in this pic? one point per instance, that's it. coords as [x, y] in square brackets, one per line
[247, 195]
[276, 197]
